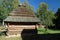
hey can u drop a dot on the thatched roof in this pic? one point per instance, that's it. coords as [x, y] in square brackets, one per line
[21, 19]
[22, 14]
[22, 11]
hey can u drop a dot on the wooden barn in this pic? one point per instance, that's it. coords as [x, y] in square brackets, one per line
[19, 19]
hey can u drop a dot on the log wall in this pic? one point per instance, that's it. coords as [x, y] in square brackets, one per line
[17, 29]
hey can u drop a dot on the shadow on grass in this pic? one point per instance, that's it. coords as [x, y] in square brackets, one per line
[32, 35]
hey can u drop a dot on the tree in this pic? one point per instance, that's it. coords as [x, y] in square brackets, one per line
[13, 4]
[57, 20]
[46, 17]
[7, 6]
[42, 12]
[3, 11]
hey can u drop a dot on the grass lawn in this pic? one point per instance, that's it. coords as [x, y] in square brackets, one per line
[11, 38]
[2, 28]
[49, 31]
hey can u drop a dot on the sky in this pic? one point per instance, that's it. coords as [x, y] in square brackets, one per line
[53, 5]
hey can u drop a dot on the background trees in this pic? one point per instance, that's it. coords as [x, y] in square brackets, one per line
[46, 17]
[57, 20]
[7, 6]
[13, 4]
[41, 12]
[3, 11]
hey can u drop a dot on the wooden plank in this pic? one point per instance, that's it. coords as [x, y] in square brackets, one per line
[2, 30]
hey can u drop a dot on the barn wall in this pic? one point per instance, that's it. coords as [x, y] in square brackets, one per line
[17, 28]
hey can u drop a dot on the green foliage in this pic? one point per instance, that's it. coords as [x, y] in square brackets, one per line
[2, 31]
[41, 29]
[50, 17]
[57, 20]
[3, 12]
[58, 15]
[13, 4]
[49, 31]
[46, 17]
[41, 12]
[7, 6]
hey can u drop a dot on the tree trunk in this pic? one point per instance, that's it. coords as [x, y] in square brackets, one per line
[46, 28]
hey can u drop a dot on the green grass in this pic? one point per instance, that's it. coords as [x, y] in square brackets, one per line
[49, 31]
[2, 28]
[11, 38]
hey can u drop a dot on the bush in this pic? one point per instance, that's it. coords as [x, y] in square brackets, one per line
[3, 33]
[41, 29]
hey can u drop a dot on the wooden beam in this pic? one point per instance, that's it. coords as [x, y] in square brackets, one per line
[8, 24]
